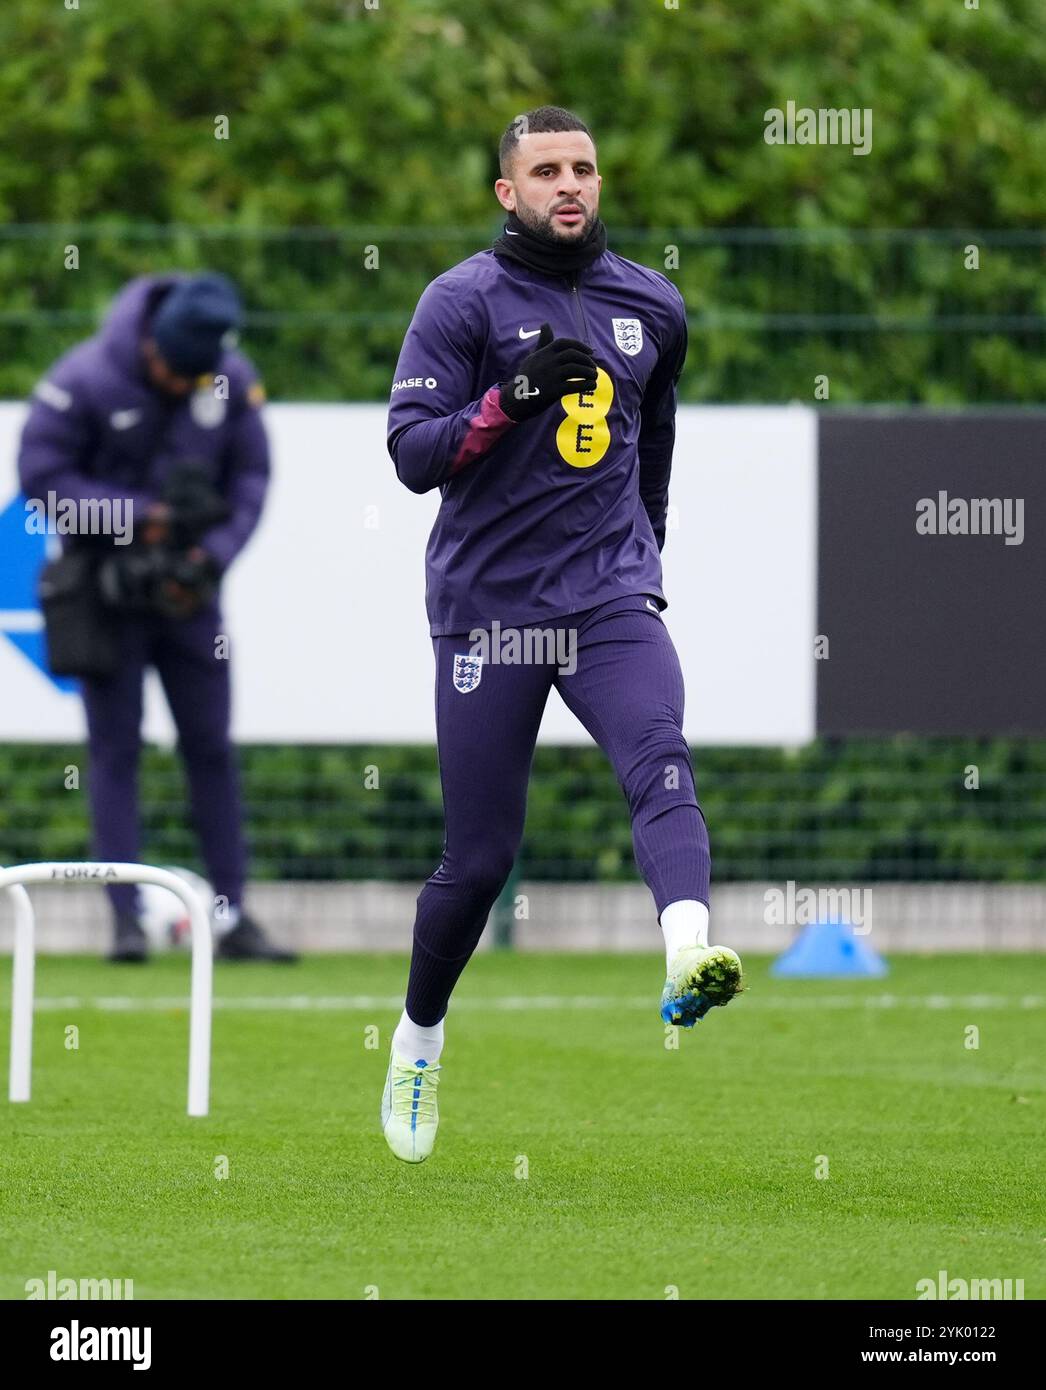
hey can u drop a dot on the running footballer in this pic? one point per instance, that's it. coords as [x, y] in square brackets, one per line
[536, 388]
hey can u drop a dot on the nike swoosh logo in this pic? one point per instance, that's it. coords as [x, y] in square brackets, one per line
[532, 334]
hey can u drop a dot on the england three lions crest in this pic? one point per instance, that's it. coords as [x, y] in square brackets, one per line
[628, 334]
[467, 673]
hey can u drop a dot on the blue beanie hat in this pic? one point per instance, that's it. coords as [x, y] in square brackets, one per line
[191, 321]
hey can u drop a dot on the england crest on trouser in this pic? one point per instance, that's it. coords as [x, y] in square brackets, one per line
[467, 673]
[628, 334]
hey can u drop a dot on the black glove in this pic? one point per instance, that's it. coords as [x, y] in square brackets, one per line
[557, 367]
[128, 578]
[189, 581]
[154, 579]
[194, 502]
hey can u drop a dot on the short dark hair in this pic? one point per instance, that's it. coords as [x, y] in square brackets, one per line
[540, 121]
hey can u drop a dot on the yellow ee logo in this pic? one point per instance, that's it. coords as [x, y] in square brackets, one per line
[584, 437]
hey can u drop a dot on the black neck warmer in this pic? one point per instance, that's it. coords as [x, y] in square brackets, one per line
[551, 257]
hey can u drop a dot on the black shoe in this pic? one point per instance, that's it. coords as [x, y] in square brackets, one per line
[129, 942]
[247, 941]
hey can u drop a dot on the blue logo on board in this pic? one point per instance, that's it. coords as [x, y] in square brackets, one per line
[22, 556]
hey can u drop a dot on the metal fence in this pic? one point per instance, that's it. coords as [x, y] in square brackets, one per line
[944, 317]
[852, 810]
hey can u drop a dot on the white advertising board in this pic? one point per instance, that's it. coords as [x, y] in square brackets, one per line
[326, 605]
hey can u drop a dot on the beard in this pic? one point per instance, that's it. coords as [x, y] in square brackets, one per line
[543, 225]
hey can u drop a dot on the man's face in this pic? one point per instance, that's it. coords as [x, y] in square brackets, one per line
[161, 375]
[554, 188]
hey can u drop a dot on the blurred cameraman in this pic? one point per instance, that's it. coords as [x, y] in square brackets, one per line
[158, 414]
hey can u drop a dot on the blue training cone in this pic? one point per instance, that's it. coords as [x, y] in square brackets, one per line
[829, 950]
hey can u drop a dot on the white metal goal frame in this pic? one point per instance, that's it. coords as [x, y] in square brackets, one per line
[14, 881]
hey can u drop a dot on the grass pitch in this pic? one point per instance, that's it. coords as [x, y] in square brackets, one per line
[578, 1157]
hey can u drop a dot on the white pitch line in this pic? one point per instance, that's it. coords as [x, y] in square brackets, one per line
[524, 1003]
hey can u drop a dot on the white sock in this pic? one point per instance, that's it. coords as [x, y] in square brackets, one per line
[417, 1044]
[684, 923]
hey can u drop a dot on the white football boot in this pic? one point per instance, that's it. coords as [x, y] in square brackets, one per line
[409, 1116]
[700, 978]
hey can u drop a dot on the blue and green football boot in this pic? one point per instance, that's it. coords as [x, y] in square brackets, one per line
[700, 978]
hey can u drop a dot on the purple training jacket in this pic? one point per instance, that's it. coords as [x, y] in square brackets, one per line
[559, 513]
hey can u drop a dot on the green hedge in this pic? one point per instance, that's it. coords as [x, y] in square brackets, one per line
[384, 122]
[838, 809]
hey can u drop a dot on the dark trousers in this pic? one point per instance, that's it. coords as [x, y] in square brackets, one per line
[196, 684]
[627, 691]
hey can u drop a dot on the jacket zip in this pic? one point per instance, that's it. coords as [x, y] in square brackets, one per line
[580, 307]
